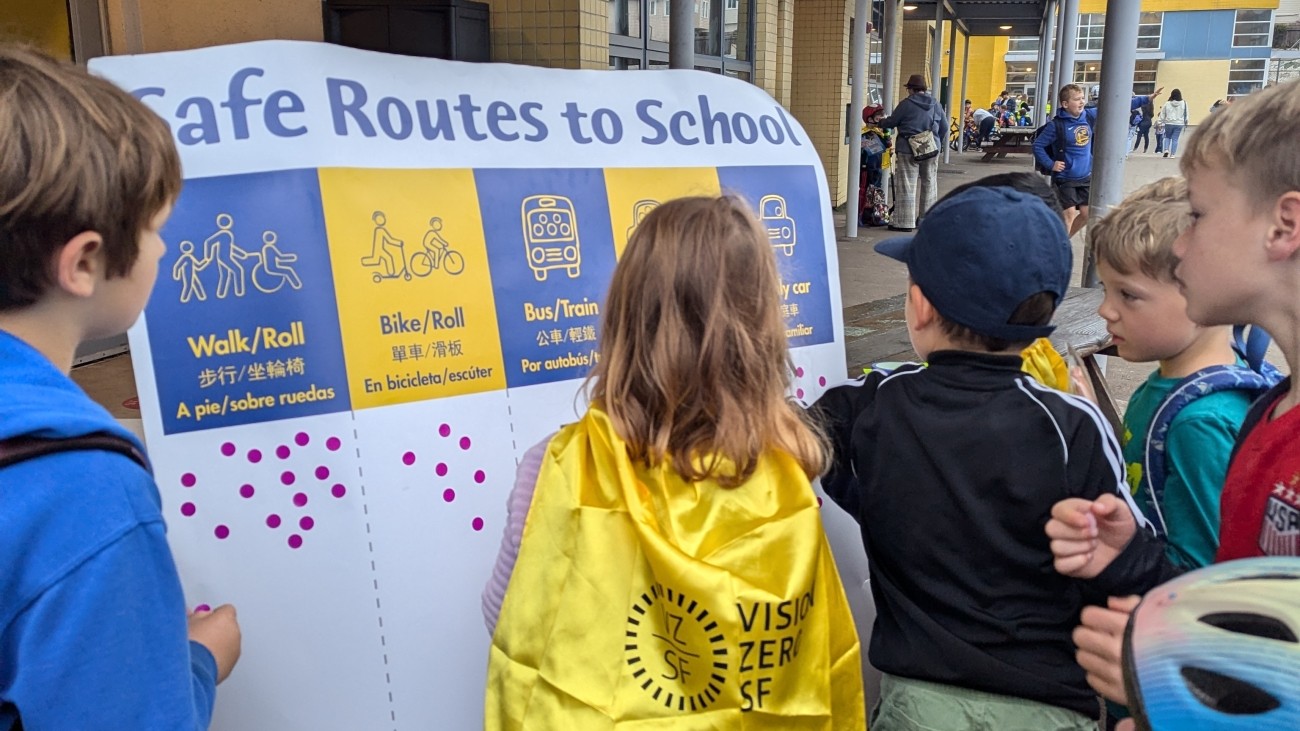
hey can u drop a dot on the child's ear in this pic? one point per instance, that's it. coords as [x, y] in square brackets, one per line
[1284, 235]
[922, 310]
[79, 264]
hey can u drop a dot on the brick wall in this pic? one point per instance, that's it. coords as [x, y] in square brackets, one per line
[820, 87]
[570, 34]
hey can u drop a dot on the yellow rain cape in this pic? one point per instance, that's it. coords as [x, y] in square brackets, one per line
[640, 600]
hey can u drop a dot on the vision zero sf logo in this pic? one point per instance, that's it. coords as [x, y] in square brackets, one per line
[675, 650]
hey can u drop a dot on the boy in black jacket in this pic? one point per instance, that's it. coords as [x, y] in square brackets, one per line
[952, 470]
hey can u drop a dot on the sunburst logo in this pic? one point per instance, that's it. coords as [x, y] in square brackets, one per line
[675, 650]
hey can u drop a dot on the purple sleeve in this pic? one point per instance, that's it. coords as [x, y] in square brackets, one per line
[521, 498]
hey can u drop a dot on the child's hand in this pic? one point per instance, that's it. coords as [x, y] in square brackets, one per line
[218, 630]
[1100, 639]
[1087, 535]
[1079, 384]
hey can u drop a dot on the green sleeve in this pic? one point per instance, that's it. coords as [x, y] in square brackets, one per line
[1198, 449]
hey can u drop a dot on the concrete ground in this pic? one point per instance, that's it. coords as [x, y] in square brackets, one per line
[872, 285]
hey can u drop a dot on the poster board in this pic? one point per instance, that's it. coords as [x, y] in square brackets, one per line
[383, 284]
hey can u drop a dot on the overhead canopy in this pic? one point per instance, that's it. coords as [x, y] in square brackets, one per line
[985, 17]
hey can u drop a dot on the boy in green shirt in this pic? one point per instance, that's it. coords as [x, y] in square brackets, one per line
[1145, 313]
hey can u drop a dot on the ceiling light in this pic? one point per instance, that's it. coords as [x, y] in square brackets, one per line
[1005, 27]
[909, 7]
[1092, 68]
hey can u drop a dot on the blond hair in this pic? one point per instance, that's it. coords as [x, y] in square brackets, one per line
[694, 366]
[1256, 140]
[1139, 233]
[76, 154]
[1067, 91]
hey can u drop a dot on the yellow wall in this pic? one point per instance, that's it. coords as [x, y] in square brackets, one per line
[142, 26]
[1202, 82]
[820, 89]
[43, 23]
[1152, 6]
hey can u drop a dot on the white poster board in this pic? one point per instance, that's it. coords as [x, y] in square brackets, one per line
[382, 286]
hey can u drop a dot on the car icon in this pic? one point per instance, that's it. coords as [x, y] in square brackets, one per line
[779, 226]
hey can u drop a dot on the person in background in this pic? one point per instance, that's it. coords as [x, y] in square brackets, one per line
[916, 181]
[1174, 115]
[1144, 128]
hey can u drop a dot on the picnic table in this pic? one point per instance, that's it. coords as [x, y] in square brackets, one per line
[1009, 140]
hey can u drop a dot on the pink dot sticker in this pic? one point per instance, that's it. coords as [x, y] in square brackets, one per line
[477, 524]
[464, 442]
[322, 473]
[448, 495]
[188, 479]
[228, 449]
[480, 476]
[821, 380]
[819, 502]
[333, 444]
[272, 521]
[408, 459]
[799, 371]
[254, 455]
[301, 439]
[246, 491]
[203, 608]
[798, 393]
[300, 499]
[441, 469]
[221, 532]
[187, 509]
[444, 430]
[338, 491]
[295, 541]
[282, 451]
[288, 478]
[306, 523]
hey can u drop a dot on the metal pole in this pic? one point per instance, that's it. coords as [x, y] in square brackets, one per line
[1042, 61]
[1111, 135]
[893, 13]
[681, 34]
[947, 98]
[936, 49]
[965, 67]
[1045, 72]
[861, 13]
[1069, 38]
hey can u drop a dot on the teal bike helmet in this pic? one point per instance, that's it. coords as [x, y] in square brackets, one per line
[1218, 649]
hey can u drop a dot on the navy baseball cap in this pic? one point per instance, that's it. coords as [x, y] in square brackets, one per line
[976, 275]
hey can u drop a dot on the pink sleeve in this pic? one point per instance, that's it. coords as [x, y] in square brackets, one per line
[521, 498]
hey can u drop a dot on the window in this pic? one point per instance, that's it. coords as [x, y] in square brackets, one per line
[625, 17]
[1022, 79]
[1092, 27]
[1144, 76]
[1246, 75]
[1087, 73]
[1023, 44]
[1252, 28]
[724, 32]
[1149, 31]
[733, 4]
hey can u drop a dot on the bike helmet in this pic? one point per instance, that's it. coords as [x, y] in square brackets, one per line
[1218, 649]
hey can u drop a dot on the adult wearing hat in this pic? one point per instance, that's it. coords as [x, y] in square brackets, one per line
[916, 177]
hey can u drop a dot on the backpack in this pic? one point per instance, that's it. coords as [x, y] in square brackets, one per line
[1135, 117]
[1257, 377]
[19, 449]
[1057, 149]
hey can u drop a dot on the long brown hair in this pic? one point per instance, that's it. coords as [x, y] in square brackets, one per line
[694, 364]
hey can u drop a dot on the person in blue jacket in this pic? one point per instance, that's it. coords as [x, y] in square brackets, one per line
[1070, 159]
[93, 626]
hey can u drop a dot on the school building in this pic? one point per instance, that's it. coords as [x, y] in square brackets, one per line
[1209, 49]
[797, 52]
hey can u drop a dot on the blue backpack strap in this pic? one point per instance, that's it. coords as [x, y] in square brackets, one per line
[1201, 383]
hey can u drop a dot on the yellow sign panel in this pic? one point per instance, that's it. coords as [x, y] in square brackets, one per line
[634, 192]
[414, 292]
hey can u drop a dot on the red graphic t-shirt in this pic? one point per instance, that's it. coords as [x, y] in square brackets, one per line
[1260, 507]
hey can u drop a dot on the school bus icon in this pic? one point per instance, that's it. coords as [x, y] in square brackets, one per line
[551, 236]
[640, 210]
[779, 226]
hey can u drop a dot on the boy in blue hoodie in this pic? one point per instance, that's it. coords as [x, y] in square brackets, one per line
[93, 629]
[1064, 146]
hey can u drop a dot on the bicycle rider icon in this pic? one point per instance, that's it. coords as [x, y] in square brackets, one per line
[388, 253]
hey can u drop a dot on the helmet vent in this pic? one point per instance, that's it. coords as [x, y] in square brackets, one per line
[1256, 625]
[1226, 694]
